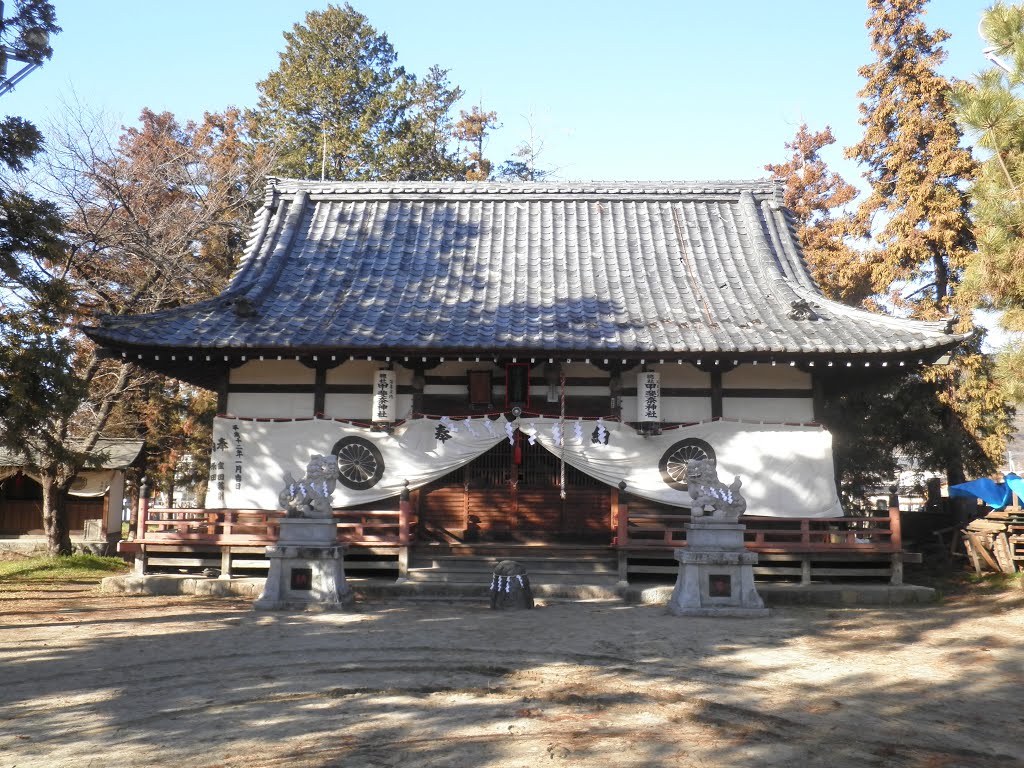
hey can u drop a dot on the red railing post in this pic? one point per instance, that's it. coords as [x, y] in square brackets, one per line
[144, 491]
[896, 533]
[621, 521]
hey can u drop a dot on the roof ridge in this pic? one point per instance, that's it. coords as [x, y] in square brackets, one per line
[608, 187]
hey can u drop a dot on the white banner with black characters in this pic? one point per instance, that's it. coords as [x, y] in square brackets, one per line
[250, 457]
[786, 470]
[384, 393]
[648, 396]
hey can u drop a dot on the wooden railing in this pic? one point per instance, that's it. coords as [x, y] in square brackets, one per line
[768, 534]
[261, 526]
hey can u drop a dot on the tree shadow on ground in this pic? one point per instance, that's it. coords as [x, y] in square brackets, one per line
[457, 684]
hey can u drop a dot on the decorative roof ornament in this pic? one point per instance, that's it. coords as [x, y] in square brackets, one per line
[800, 309]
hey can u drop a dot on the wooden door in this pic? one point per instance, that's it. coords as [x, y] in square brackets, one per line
[513, 492]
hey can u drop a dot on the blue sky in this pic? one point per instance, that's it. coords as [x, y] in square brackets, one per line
[651, 89]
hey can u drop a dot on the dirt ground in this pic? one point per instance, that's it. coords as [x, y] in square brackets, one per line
[88, 679]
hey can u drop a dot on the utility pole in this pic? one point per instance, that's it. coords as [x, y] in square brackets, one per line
[30, 47]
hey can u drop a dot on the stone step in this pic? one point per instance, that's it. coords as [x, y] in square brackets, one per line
[483, 579]
[532, 565]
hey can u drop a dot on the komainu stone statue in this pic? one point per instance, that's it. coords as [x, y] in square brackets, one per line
[310, 497]
[708, 492]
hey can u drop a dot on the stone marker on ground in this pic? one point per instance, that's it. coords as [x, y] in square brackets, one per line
[510, 587]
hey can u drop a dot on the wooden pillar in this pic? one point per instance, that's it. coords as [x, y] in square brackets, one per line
[620, 511]
[222, 392]
[320, 391]
[895, 539]
[404, 531]
[615, 390]
[404, 516]
[716, 394]
[818, 395]
[419, 381]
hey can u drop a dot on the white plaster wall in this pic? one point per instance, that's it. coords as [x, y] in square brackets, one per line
[673, 409]
[359, 407]
[582, 370]
[362, 372]
[766, 377]
[681, 376]
[768, 409]
[271, 405]
[273, 372]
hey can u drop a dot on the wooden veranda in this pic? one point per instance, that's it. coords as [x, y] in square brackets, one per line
[643, 537]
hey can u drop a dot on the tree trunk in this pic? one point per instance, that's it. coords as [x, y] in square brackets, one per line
[55, 515]
[963, 508]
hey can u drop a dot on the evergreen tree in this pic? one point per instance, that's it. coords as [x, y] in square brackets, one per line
[816, 197]
[917, 209]
[992, 108]
[340, 107]
[472, 131]
[37, 386]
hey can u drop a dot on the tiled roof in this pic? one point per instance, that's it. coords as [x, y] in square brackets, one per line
[622, 268]
[113, 453]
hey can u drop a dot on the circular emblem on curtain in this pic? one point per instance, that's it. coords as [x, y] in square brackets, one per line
[360, 465]
[673, 461]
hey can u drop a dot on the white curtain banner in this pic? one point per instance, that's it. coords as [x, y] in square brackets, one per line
[91, 483]
[786, 470]
[250, 458]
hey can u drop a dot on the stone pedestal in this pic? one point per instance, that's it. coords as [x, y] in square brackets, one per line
[307, 569]
[716, 573]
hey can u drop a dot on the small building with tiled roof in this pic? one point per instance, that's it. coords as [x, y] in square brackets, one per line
[519, 354]
[95, 499]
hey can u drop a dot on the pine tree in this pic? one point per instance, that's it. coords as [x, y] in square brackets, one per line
[816, 197]
[992, 108]
[472, 131]
[340, 107]
[918, 211]
[37, 386]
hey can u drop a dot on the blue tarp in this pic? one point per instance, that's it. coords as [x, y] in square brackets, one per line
[1016, 484]
[996, 495]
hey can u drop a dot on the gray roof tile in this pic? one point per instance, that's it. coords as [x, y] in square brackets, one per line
[705, 267]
